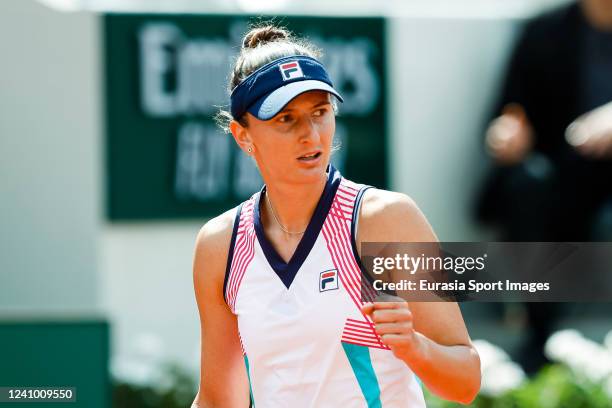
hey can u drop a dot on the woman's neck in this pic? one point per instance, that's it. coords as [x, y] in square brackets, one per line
[292, 205]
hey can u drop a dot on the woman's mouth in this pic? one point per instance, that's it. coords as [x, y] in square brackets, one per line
[310, 156]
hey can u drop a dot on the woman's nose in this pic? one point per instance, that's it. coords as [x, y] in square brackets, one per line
[309, 131]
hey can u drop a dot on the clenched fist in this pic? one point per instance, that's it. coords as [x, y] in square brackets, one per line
[393, 323]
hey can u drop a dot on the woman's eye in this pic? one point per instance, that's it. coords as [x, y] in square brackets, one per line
[319, 112]
[284, 119]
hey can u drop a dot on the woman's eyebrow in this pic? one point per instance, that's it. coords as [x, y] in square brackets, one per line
[321, 104]
[316, 105]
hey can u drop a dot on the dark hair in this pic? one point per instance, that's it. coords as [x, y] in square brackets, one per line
[262, 44]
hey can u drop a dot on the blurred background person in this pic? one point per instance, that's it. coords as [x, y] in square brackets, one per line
[551, 142]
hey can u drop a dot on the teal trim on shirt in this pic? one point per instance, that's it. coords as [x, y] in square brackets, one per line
[246, 363]
[361, 363]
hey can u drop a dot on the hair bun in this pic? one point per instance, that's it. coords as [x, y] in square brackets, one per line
[265, 34]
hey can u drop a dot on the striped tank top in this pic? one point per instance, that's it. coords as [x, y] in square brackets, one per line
[304, 339]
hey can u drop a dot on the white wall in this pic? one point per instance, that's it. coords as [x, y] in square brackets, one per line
[49, 168]
[148, 288]
[444, 76]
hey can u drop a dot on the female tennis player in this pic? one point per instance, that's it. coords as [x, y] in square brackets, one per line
[277, 279]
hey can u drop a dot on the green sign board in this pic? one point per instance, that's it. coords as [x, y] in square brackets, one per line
[166, 77]
[56, 355]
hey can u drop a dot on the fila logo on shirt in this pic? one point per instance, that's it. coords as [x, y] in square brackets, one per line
[328, 280]
[291, 70]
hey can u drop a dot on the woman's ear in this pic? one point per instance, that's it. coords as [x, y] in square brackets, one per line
[241, 136]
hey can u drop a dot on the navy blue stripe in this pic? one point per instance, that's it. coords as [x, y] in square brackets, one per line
[230, 254]
[287, 271]
[354, 233]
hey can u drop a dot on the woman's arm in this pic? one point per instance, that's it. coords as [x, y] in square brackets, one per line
[430, 337]
[223, 378]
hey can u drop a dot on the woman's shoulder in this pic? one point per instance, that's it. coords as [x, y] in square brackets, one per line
[378, 203]
[213, 241]
[392, 216]
[218, 228]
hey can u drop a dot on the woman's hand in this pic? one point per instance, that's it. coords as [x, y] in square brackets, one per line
[450, 371]
[394, 324]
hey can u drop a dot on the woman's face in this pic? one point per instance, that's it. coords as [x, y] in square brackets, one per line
[294, 146]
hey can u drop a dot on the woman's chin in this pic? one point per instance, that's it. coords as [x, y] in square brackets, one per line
[310, 173]
[312, 168]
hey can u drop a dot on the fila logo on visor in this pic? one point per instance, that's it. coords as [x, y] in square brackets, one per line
[291, 70]
[328, 280]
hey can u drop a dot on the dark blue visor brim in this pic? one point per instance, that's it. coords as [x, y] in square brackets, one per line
[266, 107]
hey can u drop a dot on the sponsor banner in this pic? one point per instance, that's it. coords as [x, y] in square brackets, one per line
[166, 77]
